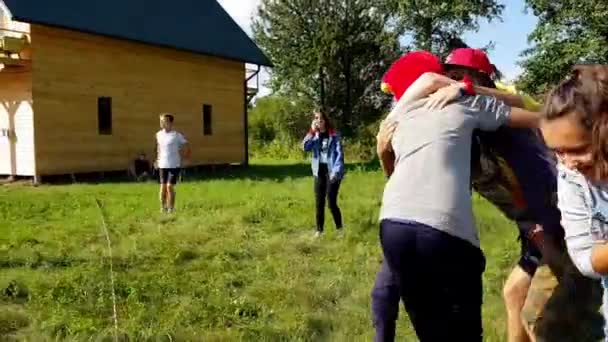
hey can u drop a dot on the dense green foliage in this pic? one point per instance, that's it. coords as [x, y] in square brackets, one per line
[331, 51]
[568, 32]
[437, 25]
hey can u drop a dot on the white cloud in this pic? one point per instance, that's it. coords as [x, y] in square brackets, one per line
[242, 11]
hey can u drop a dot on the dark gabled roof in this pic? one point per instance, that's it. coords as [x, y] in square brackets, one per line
[199, 26]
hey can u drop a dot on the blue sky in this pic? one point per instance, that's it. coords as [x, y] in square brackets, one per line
[509, 35]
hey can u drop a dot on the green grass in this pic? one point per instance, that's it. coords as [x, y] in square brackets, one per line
[237, 262]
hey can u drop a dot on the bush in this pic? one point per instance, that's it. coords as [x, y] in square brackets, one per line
[278, 125]
[277, 149]
[278, 118]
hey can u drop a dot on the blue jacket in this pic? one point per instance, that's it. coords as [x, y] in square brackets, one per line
[584, 207]
[335, 156]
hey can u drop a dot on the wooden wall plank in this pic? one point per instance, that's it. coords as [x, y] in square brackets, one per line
[71, 70]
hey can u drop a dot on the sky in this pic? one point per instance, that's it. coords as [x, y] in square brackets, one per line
[509, 35]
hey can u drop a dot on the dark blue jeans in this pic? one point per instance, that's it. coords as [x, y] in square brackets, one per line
[439, 278]
[385, 304]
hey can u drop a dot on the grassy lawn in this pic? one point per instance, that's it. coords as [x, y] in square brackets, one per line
[236, 262]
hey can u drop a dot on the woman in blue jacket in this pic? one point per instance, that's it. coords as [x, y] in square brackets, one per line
[327, 167]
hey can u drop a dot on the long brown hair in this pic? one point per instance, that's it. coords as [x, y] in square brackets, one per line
[585, 94]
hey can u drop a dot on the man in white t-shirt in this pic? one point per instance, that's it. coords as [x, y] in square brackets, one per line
[171, 146]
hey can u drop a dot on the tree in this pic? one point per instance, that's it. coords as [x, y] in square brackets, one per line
[568, 32]
[333, 51]
[437, 25]
[278, 117]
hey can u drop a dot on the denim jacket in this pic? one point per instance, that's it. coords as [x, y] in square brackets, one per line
[584, 208]
[335, 156]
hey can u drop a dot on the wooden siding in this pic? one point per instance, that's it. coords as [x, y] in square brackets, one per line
[71, 70]
[16, 150]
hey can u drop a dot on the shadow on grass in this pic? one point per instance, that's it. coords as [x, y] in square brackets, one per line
[257, 172]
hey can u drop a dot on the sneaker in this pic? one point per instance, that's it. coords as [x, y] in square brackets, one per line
[340, 233]
[170, 210]
[317, 234]
[163, 210]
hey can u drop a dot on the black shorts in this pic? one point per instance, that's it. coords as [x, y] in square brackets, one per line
[168, 176]
[531, 256]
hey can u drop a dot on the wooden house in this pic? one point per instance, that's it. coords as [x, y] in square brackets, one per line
[82, 83]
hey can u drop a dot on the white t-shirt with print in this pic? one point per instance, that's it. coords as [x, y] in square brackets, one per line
[324, 137]
[169, 144]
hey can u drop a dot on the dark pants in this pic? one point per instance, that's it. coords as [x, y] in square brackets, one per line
[530, 255]
[439, 278]
[385, 304]
[324, 187]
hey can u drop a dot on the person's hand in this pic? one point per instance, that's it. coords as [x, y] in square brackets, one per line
[384, 136]
[443, 96]
[314, 126]
[537, 236]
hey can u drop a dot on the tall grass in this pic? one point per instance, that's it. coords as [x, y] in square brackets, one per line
[236, 262]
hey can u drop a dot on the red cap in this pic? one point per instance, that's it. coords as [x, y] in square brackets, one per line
[407, 69]
[472, 58]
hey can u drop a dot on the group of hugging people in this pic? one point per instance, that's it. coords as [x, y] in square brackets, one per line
[453, 129]
[545, 167]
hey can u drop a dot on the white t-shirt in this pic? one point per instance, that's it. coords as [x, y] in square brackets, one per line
[324, 147]
[169, 144]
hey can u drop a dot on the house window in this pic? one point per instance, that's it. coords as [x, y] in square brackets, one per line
[104, 115]
[207, 109]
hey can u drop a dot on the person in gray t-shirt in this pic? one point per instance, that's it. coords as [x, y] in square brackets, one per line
[428, 232]
[432, 164]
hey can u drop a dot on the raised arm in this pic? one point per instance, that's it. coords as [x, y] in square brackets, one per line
[521, 118]
[510, 99]
[424, 86]
[429, 83]
[446, 89]
[310, 140]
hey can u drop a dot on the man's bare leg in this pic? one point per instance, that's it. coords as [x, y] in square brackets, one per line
[170, 197]
[514, 295]
[163, 196]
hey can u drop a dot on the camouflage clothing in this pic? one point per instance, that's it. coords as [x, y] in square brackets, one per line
[493, 179]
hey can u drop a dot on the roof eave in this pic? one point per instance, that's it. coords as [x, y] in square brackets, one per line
[265, 62]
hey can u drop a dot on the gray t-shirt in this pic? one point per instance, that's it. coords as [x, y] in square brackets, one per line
[431, 180]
